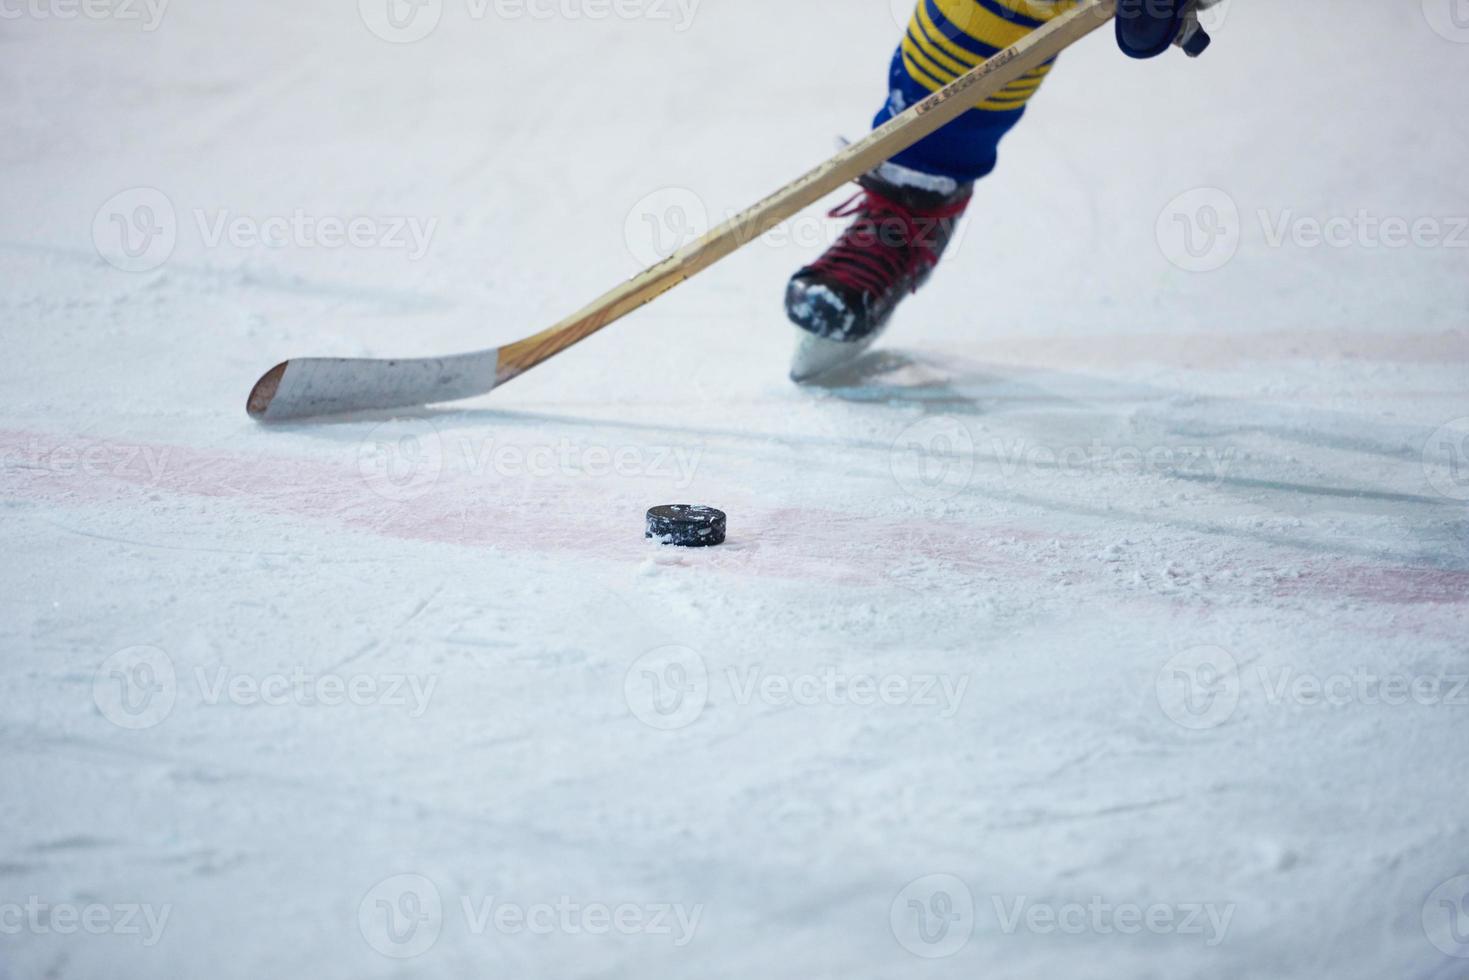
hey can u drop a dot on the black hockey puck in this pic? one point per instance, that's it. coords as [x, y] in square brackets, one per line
[686, 525]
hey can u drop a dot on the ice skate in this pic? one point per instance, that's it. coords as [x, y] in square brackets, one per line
[904, 220]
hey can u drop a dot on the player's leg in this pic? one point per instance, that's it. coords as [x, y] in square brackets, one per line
[905, 215]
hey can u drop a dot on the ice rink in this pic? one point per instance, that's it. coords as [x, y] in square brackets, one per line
[1109, 620]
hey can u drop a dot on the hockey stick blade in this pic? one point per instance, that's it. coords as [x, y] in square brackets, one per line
[313, 386]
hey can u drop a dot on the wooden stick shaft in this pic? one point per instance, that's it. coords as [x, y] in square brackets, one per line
[882, 144]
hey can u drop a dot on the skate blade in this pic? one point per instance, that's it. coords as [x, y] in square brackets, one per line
[816, 356]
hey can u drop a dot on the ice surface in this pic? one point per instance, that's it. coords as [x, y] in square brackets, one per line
[1079, 595]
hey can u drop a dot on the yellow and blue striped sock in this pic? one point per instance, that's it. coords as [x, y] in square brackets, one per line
[945, 39]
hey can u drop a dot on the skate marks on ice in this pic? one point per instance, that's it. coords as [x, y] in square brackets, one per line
[897, 377]
[334, 800]
[1146, 412]
[954, 384]
[864, 465]
[1330, 483]
[876, 532]
[1279, 501]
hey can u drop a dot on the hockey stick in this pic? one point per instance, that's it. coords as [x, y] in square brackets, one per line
[302, 388]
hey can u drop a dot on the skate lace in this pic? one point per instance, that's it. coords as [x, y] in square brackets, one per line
[886, 244]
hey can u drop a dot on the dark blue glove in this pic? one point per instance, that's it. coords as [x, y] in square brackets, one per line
[1147, 28]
